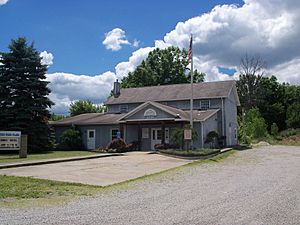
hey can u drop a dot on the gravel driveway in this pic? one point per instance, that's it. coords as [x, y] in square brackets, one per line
[260, 186]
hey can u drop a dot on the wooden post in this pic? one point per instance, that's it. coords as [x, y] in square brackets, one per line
[140, 136]
[121, 128]
[163, 133]
[23, 147]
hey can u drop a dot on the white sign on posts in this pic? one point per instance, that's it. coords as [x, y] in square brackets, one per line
[10, 140]
[188, 134]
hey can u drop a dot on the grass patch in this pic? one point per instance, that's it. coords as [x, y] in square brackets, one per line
[11, 157]
[27, 187]
[191, 153]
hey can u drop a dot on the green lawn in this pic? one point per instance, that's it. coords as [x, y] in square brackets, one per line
[194, 152]
[29, 188]
[9, 158]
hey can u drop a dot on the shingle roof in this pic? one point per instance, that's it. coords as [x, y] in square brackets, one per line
[90, 119]
[203, 90]
[114, 118]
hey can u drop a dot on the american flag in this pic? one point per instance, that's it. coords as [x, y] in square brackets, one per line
[190, 52]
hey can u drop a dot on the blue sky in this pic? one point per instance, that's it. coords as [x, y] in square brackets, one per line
[73, 31]
[89, 44]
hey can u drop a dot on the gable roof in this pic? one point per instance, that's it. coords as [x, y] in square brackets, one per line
[217, 89]
[178, 114]
[116, 118]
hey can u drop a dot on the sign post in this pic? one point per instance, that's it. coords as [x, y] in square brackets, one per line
[187, 137]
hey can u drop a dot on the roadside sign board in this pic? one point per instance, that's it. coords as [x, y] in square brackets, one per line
[188, 134]
[10, 140]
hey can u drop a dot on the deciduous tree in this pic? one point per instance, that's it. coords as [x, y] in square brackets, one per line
[84, 106]
[162, 66]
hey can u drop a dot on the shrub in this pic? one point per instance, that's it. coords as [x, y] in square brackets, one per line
[255, 125]
[274, 129]
[211, 138]
[118, 144]
[71, 139]
[165, 146]
[133, 146]
[288, 132]
[293, 116]
[177, 136]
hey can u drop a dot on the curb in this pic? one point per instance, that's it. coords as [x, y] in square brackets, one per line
[51, 161]
[197, 157]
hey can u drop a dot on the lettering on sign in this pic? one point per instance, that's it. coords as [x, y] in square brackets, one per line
[10, 140]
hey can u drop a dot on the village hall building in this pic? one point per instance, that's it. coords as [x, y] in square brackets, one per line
[148, 115]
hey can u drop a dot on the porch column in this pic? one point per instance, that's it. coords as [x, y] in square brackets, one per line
[121, 128]
[163, 132]
[140, 135]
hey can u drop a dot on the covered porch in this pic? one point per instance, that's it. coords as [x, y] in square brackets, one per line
[149, 133]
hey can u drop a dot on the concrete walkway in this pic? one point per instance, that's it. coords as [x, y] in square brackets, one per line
[100, 171]
[55, 160]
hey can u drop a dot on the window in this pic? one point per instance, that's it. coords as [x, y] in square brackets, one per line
[145, 132]
[114, 134]
[91, 134]
[150, 114]
[204, 104]
[159, 135]
[235, 134]
[123, 108]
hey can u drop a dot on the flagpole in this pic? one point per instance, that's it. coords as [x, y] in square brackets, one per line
[192, 81]
[192, 91]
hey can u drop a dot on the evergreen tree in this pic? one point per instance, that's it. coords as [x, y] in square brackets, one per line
[23, 94]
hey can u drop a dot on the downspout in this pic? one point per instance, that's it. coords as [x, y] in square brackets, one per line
[202, 124]
[223, 118]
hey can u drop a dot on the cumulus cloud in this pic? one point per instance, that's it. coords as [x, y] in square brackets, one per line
[2, 2]
[47, 58]
[67, 88]
[222, 36]
[287, 71]
[269, 28]
[114, 39]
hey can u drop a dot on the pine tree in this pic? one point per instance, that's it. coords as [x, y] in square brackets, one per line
[23, 94]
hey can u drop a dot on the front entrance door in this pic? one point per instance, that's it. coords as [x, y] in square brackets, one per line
[91, 139]
[156, 137]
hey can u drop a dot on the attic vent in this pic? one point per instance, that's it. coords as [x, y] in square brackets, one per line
[150, 113]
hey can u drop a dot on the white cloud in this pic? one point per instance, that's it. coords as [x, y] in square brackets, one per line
[2, 2]
[287, 71]
[68, 87]
[222, 36]
[47, 58]
[114, 39]
[123, 68]
[136, 43]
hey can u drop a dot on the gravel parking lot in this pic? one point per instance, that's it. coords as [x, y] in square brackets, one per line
[259, 186]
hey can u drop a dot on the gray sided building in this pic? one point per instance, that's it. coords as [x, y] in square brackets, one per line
[148, 115]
